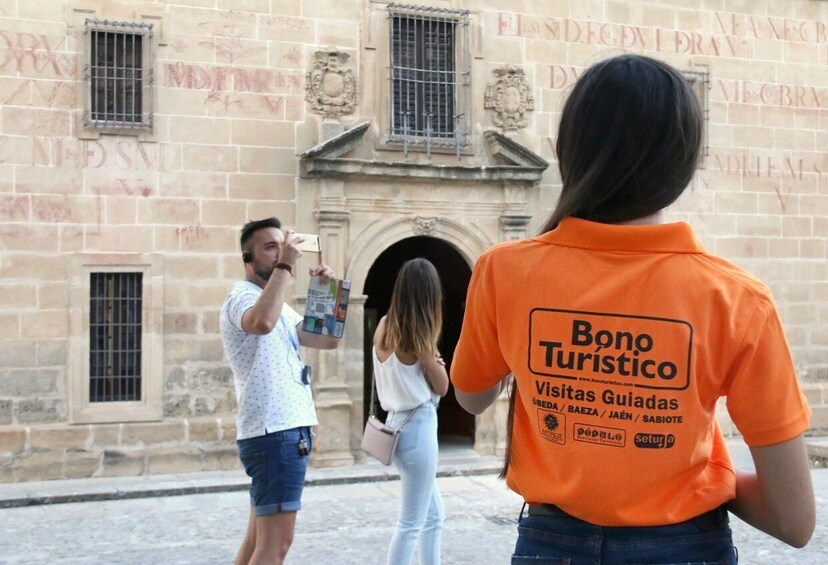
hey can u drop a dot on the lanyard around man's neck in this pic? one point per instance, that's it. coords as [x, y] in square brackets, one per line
[289, 333]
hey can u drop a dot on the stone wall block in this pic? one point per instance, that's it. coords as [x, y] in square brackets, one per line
[263, 187]
[120, 239]
[51, 437]
[209, 296]
[209, 322]
[34, 238]
[185, 267]
[21, 354]
[9, 327]
[179, 459]
[106, 435]
[153, 433]
[16, 150]
[39, 466]
[45, 324]
[35, 122]
[79, 464]
[12, 440]
[29, 382]
[211, 158]
[52, 353]
[176, 405]
[180, 351]
[6, 469]
[223, 212]
[819, 418]
[193, 184]
[203, 430]
[180, 323]
[263, 133]
[224, 457]
[207, 130]
[178, 211]
[277, 161]
[6, 411]
[41, 410]
[123, 463]
[228, 428]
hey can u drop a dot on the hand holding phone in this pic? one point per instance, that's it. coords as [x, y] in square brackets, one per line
[311, 243]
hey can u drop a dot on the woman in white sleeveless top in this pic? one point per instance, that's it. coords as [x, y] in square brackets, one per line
[411, 377]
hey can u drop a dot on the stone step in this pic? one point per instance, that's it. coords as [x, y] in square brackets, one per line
[817, 452]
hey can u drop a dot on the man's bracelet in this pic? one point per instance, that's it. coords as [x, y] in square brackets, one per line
[285, 267]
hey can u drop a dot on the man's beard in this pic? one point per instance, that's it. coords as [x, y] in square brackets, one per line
[263, 273]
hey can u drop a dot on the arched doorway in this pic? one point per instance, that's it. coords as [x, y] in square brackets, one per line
[454, 423]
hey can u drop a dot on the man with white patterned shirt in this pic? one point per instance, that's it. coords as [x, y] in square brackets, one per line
[261, 336]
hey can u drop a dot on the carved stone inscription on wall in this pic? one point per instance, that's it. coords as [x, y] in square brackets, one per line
[511, 97]
[331, 89]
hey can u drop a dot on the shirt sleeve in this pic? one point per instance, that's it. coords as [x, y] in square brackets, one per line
[238, 305]
[764, 398]
[478, 362]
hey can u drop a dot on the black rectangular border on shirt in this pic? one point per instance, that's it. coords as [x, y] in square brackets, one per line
[609, 315]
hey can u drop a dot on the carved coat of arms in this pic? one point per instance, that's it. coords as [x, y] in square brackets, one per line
[331, 89]
[510, 97]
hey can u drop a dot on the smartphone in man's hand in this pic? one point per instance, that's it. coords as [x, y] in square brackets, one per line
[311, 243]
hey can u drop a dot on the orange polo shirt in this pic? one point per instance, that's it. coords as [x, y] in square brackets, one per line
[621, 339]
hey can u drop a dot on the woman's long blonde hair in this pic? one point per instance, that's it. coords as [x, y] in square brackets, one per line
[415, 316]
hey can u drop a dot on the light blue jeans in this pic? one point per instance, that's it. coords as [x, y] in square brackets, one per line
[420, 521]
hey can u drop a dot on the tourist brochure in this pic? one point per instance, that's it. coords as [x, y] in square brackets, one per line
[327, 306]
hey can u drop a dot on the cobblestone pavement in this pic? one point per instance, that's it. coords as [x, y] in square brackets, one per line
[343, 524]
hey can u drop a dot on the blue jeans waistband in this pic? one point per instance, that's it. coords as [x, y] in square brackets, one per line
[708, 521]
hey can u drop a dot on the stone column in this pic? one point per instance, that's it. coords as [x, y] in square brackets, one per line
[333, 404]
[354, 367]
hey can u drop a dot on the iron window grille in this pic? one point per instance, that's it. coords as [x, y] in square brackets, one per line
[115, 337]
[117, 76]
[429, 76]
[700, 82]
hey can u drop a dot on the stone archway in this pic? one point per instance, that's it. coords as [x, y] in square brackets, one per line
[454, 248]
[469, 241]
[454, 422]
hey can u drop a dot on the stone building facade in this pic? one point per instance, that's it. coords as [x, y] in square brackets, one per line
[137, 137]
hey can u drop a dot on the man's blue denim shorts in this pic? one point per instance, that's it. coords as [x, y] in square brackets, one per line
[277, 469]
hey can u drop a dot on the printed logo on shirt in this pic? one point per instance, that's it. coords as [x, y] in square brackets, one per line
[613, 349]
[654, 441]
[552, 426]
[601, 435]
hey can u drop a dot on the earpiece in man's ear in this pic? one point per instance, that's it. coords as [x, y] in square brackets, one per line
[247, 257]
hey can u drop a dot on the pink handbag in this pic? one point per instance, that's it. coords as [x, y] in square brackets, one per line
[379, 440]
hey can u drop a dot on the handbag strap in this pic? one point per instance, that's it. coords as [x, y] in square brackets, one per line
[374, 399]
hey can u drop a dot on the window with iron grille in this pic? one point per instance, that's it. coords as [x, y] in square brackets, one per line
[115, 327]
[117, 75]
[429, 75]
[700, 82]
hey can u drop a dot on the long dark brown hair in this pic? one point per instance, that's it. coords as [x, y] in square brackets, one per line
[628, 144]
[415, 316]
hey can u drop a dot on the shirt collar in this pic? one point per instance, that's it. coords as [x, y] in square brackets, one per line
[658, 238]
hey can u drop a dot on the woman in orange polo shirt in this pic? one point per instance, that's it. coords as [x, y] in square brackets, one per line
[621, 332]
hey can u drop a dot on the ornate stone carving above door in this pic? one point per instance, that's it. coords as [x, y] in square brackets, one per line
[425, 226]
[510, 96]
[330, 88]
